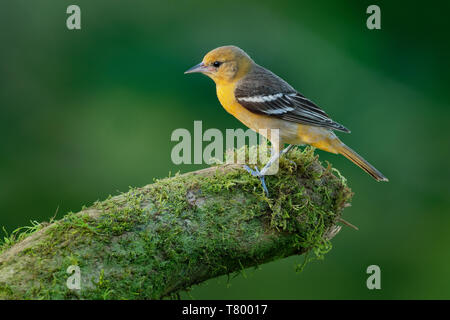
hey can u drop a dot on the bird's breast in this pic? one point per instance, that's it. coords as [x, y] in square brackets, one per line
[225, 93]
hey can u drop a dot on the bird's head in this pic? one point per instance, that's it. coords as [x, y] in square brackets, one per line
[224, 64]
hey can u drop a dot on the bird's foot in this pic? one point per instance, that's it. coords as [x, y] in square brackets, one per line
[256, 173]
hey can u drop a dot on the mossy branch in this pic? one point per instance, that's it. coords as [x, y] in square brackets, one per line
[154, 241]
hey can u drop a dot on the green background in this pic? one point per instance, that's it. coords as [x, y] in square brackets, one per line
[85, 114]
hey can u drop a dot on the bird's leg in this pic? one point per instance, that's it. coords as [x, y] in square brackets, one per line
[260, 174]
[275, 156]
[287, 149]
[256, 173]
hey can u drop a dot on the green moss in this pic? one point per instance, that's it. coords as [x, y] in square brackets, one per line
[153, 241]
[9, 239]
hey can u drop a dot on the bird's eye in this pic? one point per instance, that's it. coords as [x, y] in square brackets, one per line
[217, 64]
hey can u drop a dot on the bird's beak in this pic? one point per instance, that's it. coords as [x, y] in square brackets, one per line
[197, 68]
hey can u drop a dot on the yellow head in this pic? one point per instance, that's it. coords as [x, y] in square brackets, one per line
[224, 64]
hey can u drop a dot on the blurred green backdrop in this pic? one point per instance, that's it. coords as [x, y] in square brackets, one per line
[85, 114]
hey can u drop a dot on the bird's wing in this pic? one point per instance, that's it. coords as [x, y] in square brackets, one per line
[263, 92]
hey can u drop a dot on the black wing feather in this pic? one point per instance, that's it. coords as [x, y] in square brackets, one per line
[263, 92]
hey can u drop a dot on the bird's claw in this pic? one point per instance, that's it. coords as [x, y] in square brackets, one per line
[256, 173]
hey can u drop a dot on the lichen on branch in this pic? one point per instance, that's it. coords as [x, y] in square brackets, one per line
[152, 242]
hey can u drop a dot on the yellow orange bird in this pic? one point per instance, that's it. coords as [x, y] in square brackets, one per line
[262, 100]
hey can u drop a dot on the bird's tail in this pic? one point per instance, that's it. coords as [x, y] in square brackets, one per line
[361, 162]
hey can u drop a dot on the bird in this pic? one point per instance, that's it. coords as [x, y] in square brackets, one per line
[260, 99]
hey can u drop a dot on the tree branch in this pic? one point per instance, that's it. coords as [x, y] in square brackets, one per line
[154, 241]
